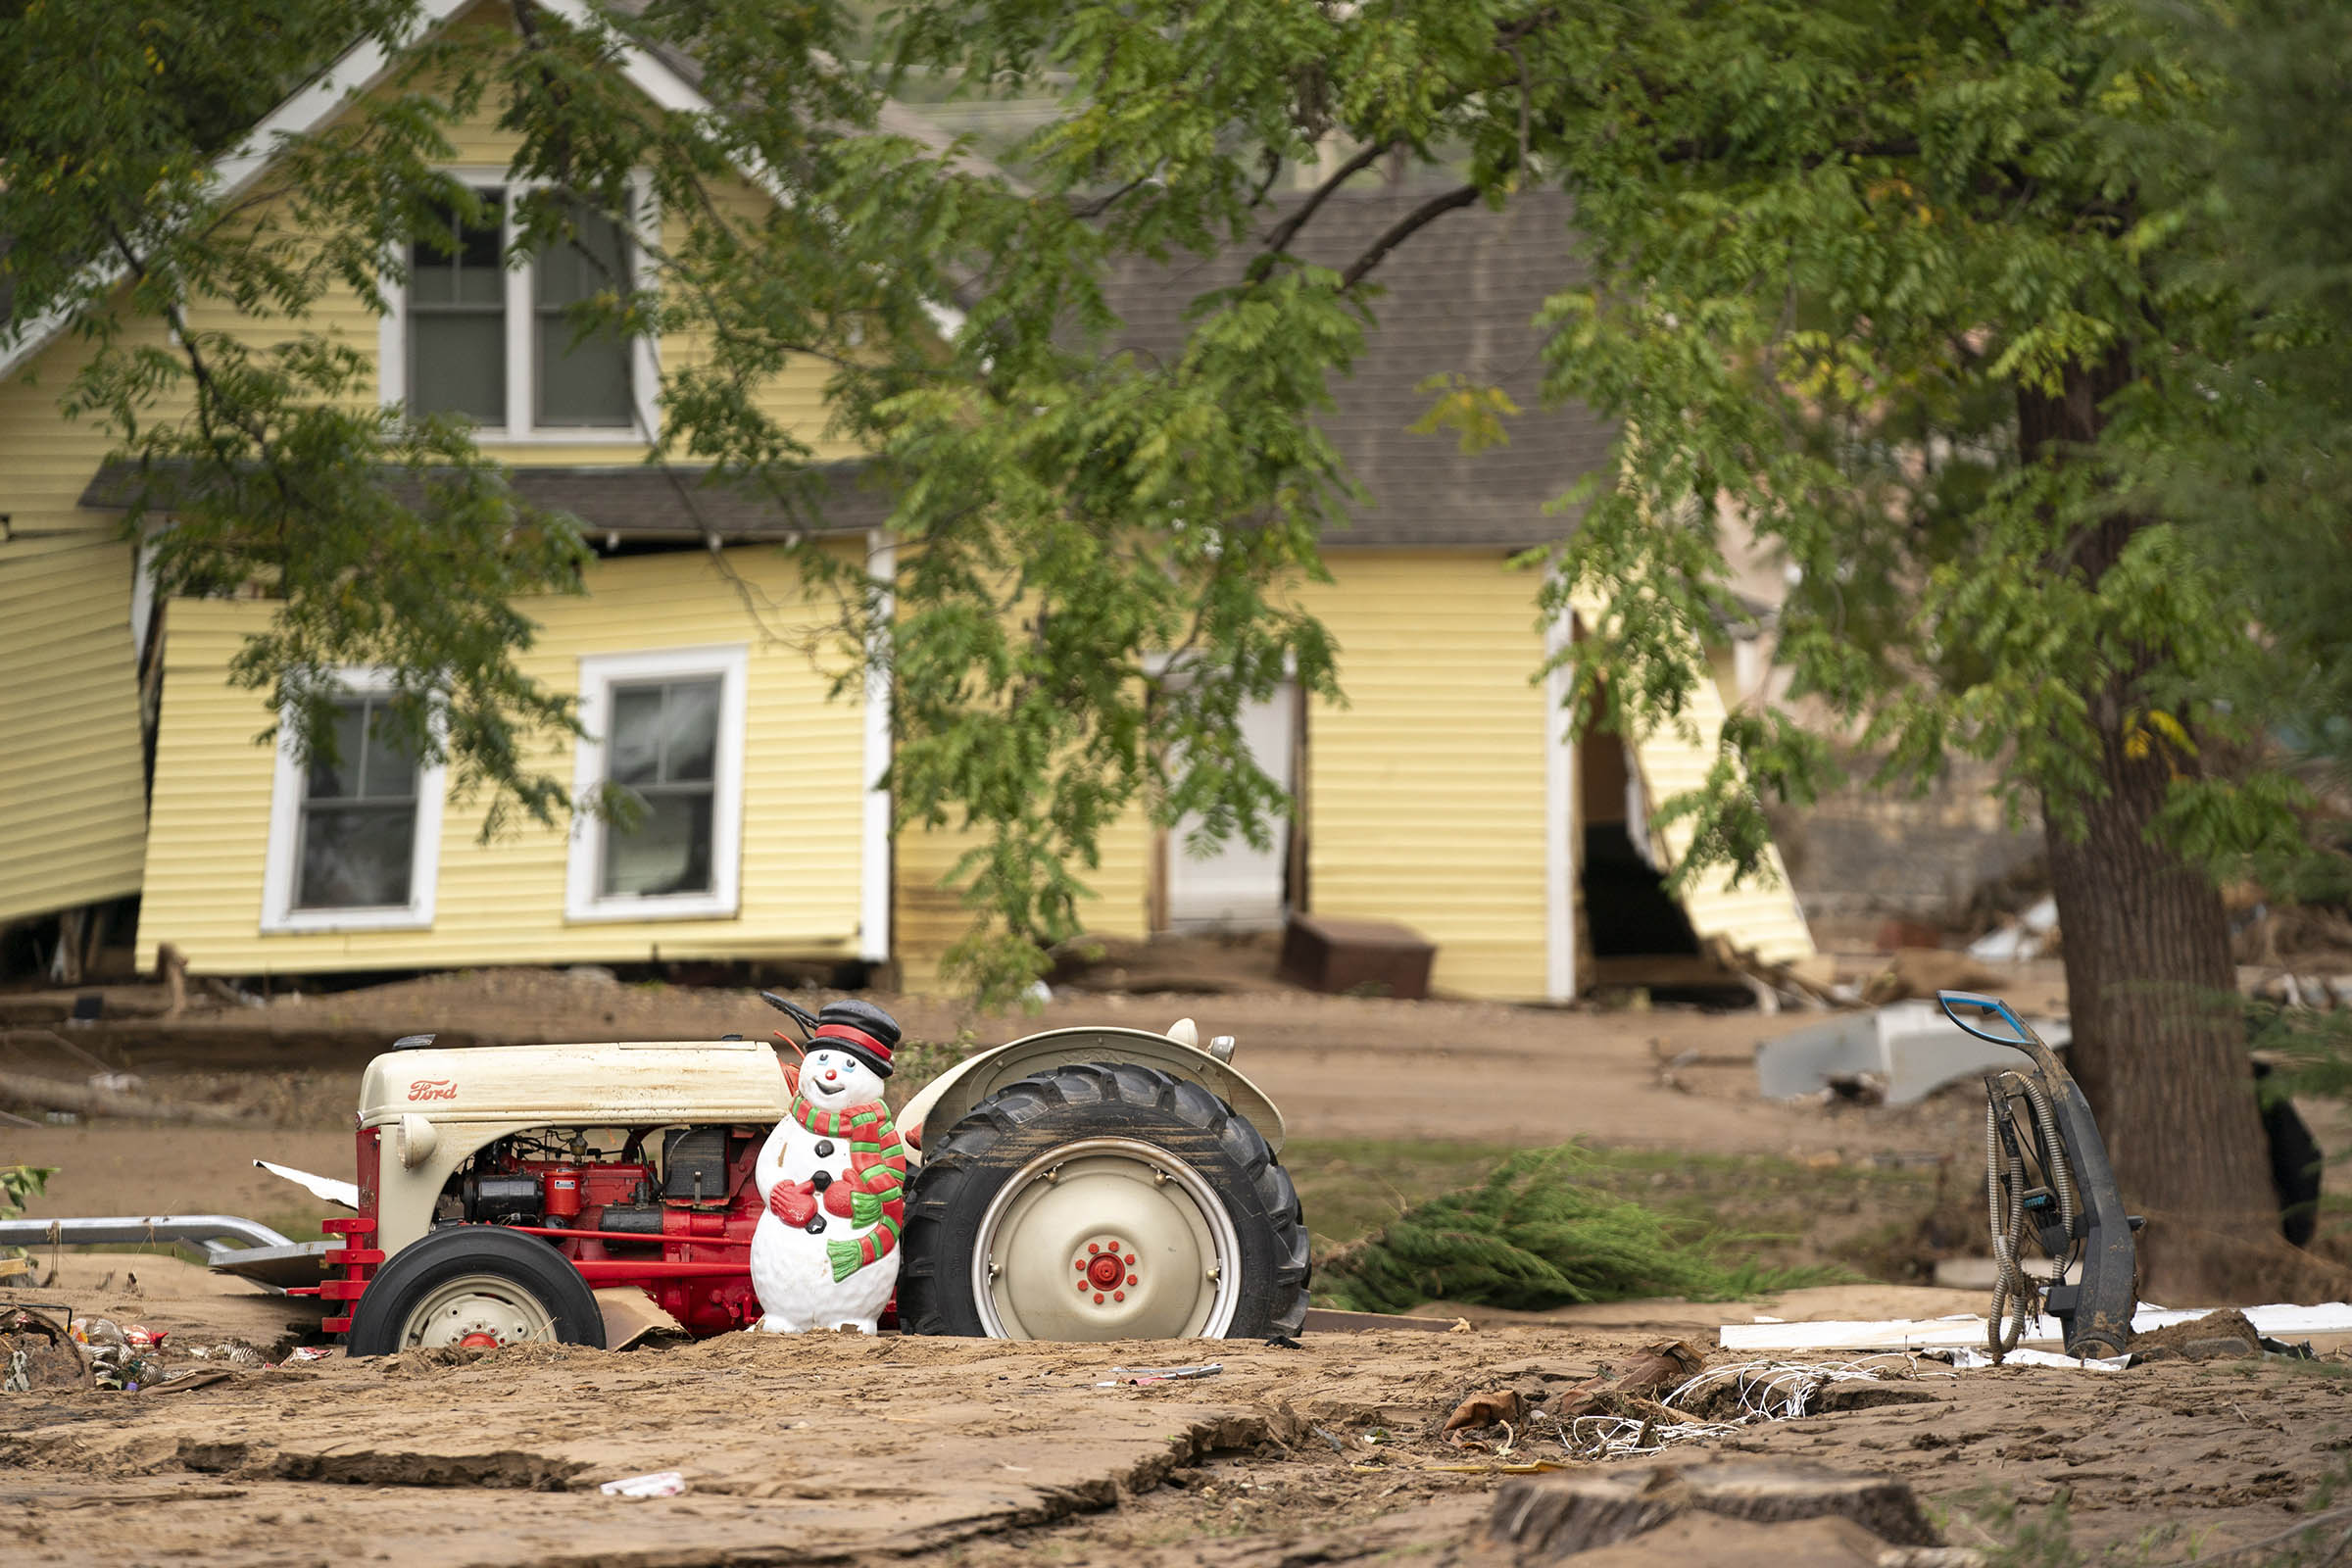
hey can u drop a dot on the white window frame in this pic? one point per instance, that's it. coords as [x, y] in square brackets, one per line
[645, 352]
[584, 873]
[281, 868]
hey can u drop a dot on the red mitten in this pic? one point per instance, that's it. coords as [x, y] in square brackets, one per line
[793, 1202]
[837, 1197]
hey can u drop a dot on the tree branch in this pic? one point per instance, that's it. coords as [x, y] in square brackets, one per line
[1288, 229]
[1420, 218]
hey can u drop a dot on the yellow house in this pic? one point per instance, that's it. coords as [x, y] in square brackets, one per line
[1441, 795]
[760, 836]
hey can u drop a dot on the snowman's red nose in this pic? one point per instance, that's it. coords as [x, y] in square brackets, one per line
[830, 1075]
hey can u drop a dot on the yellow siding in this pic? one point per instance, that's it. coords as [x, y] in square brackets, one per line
[795, 399]
[46, 459]
[503, 902]
[73, 795]
[1761, 916]
[1425, 793]
[929, 918]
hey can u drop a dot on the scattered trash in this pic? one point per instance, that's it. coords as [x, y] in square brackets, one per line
[2022, 938]
[661, 1483]
[1524, 1468]
[234, 1352]
[1140, 1375]
[1967, 1358]
[1495, 1407]
[309, 1352]
[1659, 1365]
[1923, 971]
[97, 1330]
[140, 1337]
[1967, 1328]
[1900, 1054]
[1712, 1404]
[124, 1367]
[188, 1378]
[117, 1083]
[1338, 1444]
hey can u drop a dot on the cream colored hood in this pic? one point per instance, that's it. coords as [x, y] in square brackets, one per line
[633, 1083]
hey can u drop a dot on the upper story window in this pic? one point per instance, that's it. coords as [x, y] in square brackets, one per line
[498, 344]
[355, 838]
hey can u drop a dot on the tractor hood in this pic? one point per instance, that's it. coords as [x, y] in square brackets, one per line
[615, 1084]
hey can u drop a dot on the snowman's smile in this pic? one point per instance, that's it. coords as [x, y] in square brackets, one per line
[823, 1088]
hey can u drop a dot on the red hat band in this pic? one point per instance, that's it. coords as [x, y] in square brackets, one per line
[855, 1040]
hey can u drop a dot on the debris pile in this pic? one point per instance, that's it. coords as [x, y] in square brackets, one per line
[38, 1354]
[1668, 1397]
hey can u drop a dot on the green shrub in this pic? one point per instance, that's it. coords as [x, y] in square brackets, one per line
[1536, 1235]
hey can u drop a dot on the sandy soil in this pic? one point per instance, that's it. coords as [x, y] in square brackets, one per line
[848, 1451]
[843, 1450]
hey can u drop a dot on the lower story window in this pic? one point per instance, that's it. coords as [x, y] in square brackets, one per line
[355, 825]
[664, 745]
[358, 816]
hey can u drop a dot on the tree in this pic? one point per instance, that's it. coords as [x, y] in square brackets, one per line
[1905, 285]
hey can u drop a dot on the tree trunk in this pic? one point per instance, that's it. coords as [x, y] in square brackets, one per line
[2159, 1046]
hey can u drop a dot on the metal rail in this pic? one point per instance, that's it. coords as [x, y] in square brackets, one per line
[211, 1233]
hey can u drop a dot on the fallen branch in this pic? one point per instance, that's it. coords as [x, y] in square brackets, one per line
[49, 1093]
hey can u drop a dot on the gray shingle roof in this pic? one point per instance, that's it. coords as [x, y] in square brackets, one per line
[1461, 295]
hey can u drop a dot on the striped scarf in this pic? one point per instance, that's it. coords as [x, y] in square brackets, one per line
[875, 1184]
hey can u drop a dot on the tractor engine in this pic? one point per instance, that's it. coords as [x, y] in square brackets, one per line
[680, 1229]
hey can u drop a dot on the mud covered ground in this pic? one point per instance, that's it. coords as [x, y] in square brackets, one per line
[848, 1451]
[837, 1448]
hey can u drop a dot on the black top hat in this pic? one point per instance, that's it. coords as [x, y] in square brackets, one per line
[858, 1028]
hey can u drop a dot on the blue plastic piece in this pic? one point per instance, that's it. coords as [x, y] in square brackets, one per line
[1951, 1000]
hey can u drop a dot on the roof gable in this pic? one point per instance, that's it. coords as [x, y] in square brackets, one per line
[309, 108]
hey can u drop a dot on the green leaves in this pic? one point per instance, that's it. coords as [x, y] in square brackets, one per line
[1536, 1235]
[1833, 259]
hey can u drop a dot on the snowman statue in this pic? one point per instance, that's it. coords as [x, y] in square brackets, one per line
[833, 1177]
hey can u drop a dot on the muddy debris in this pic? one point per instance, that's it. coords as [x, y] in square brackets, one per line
[1494, 1407]
[1547, 1518]
[2221, 1336]
[1660, 1367]
[37, 1354]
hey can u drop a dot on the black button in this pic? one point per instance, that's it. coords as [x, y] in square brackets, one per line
[824, 1149]
[816, 1225]
[821, 1180]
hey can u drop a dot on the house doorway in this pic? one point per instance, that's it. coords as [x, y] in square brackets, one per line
[1629, 916]
[1239, 887]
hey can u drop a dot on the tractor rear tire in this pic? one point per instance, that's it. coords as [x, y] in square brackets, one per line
[1102, 1200]
[470, 1282]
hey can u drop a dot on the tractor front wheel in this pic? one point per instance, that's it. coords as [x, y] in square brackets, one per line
[1103, 1200]
[474, 1286]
